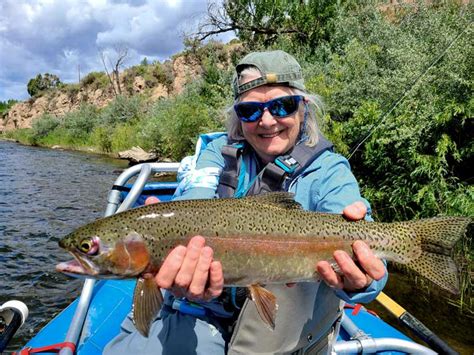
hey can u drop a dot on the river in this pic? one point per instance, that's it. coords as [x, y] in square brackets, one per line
[44, 194]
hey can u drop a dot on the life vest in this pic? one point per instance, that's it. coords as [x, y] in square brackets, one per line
[275, 176]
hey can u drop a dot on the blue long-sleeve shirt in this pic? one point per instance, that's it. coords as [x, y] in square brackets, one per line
[326, 185]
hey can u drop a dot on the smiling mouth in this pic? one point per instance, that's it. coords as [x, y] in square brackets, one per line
[270, 135]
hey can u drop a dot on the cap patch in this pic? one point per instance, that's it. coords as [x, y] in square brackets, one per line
[271, 78]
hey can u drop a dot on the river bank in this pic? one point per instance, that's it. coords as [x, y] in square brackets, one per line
[135, 155]
[83, 149]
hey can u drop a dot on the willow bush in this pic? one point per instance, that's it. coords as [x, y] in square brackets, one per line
[173, 125]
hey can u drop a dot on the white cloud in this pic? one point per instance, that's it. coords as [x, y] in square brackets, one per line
[57, 36]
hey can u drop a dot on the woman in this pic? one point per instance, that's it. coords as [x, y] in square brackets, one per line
[272, 143]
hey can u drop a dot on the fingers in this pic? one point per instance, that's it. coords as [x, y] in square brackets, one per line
[353, 276]
[201, 273]
[216, 281]
[355, 211]
[151, 200]
[170, 268]
[193, 252]
[191, 272]
[371, 264]
[328, 274]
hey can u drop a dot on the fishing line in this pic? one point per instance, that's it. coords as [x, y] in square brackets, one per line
[402, 97]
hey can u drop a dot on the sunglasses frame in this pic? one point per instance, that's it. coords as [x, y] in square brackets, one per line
[261, 106]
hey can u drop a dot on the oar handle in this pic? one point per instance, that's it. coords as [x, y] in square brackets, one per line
[415, 325]
[426, 335]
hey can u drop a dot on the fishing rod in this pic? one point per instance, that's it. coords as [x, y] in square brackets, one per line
[412, 323]
[405, 93]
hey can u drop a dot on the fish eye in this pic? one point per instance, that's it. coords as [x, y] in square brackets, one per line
[89, 246]
[85, 246]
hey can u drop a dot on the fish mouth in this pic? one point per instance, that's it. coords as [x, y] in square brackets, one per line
[78, 266]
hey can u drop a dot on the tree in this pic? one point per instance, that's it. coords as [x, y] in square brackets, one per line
[114, 78]
[42, 82]
[263, 22]
[6, 105]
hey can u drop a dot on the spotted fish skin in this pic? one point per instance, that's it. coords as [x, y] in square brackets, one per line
[264, 239]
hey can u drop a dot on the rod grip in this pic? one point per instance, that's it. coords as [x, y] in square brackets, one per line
[436, 343]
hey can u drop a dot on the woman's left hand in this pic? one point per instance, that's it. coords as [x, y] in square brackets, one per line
[353, 277]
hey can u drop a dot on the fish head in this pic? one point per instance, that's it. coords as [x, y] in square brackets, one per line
[101, 251]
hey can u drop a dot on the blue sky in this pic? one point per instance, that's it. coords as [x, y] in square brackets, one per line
[58, 36]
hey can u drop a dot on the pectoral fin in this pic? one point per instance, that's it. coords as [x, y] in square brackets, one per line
[147, 301]
[265, 301]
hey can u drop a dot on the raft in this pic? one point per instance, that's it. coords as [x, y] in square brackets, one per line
[94, 318]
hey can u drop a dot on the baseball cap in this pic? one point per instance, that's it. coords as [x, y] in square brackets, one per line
[277, 67]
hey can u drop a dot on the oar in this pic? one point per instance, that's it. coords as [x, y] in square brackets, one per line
[407, 319]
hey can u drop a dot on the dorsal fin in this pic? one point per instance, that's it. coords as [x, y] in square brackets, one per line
[284, 200]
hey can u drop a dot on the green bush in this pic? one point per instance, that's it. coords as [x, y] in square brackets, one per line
[71, 90]
[123, 109]
[81, 122]
[101, 136]
[5, 106]
[163, 73]
[44, 125]
[174, 124]
[95, 80]
[412, 161]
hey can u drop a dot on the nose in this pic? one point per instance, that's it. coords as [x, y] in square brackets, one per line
[267, 119]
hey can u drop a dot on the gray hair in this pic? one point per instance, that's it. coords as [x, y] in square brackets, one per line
[314, 107]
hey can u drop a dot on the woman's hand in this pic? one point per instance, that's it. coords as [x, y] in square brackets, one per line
[354, 278]
[190, 271]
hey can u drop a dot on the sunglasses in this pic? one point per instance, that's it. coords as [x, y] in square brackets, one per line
[280, 107]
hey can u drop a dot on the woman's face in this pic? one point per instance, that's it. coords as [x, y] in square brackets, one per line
[271, 136]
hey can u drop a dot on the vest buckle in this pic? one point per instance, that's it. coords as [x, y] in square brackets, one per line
[287, 163]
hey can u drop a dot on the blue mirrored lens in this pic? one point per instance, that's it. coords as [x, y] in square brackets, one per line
[279, 107]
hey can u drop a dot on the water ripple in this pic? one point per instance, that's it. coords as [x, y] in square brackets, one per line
[45, 194]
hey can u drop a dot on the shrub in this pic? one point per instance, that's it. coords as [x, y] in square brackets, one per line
[81, 122]
[163, 74]
[95, 80]
[5, 106]
[101, 136]
[411, 162]
[174, 124]
[44, 125]
[123, 109]
[71, 90]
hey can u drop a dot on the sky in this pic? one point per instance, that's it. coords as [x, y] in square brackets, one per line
[65, 37]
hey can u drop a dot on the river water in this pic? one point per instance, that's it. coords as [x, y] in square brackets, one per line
[45, 194]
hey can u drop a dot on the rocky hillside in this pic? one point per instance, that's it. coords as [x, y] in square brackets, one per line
[153, 80]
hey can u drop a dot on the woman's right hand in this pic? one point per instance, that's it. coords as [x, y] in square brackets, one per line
[191, 272]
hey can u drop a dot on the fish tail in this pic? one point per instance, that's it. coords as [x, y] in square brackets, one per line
[438, 236]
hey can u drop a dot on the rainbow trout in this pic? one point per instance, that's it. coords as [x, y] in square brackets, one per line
[259, 240]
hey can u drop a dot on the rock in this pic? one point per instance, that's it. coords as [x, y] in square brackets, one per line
[138, 84]
[137, 155]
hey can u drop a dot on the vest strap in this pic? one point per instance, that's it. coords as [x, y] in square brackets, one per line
[229, 178]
